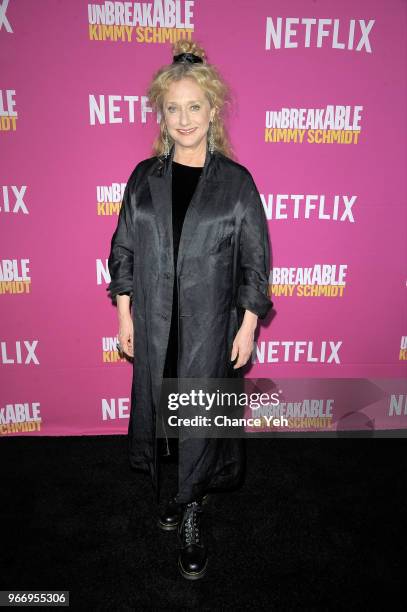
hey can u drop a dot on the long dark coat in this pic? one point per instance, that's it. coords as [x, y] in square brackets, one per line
[222, 269]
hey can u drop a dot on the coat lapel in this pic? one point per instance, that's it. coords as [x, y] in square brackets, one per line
[161, 194]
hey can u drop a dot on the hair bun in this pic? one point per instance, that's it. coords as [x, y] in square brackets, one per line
[190, 48]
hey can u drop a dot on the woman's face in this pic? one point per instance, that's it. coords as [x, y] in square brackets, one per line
[187, 113]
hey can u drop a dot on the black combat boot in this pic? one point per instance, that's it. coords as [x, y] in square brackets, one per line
[192, 559]
[171, 517]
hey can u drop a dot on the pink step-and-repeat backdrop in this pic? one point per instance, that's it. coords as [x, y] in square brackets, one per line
[319, 119]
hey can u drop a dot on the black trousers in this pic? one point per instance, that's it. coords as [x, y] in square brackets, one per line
[204, 464]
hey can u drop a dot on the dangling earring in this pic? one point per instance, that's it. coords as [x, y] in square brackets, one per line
[166, 144]
[211, 138]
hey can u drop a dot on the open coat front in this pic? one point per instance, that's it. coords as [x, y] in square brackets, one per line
[222, 269]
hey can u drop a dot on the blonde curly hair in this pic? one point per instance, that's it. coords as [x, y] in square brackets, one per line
[208, 78]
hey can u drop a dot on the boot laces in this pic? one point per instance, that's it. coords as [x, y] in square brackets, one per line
[191, 523]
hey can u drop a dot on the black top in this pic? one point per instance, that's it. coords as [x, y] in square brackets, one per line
[184, 182]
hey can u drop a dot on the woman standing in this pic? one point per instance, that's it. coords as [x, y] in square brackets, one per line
[189, 267]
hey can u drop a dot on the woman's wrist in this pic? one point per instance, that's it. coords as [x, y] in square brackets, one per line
[123, 306]
[249, 321]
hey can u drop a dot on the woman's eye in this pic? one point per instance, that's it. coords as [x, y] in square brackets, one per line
[172, 109]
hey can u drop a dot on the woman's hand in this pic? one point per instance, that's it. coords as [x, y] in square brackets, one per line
[242, 346]
[244, 340]
[126, 334]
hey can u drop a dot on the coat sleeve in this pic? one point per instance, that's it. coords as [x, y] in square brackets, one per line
[254, 256]
[120, 261]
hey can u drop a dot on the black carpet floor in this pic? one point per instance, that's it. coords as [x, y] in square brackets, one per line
[317, 525]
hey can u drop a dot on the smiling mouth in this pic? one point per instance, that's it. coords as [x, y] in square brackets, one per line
[185, 132]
